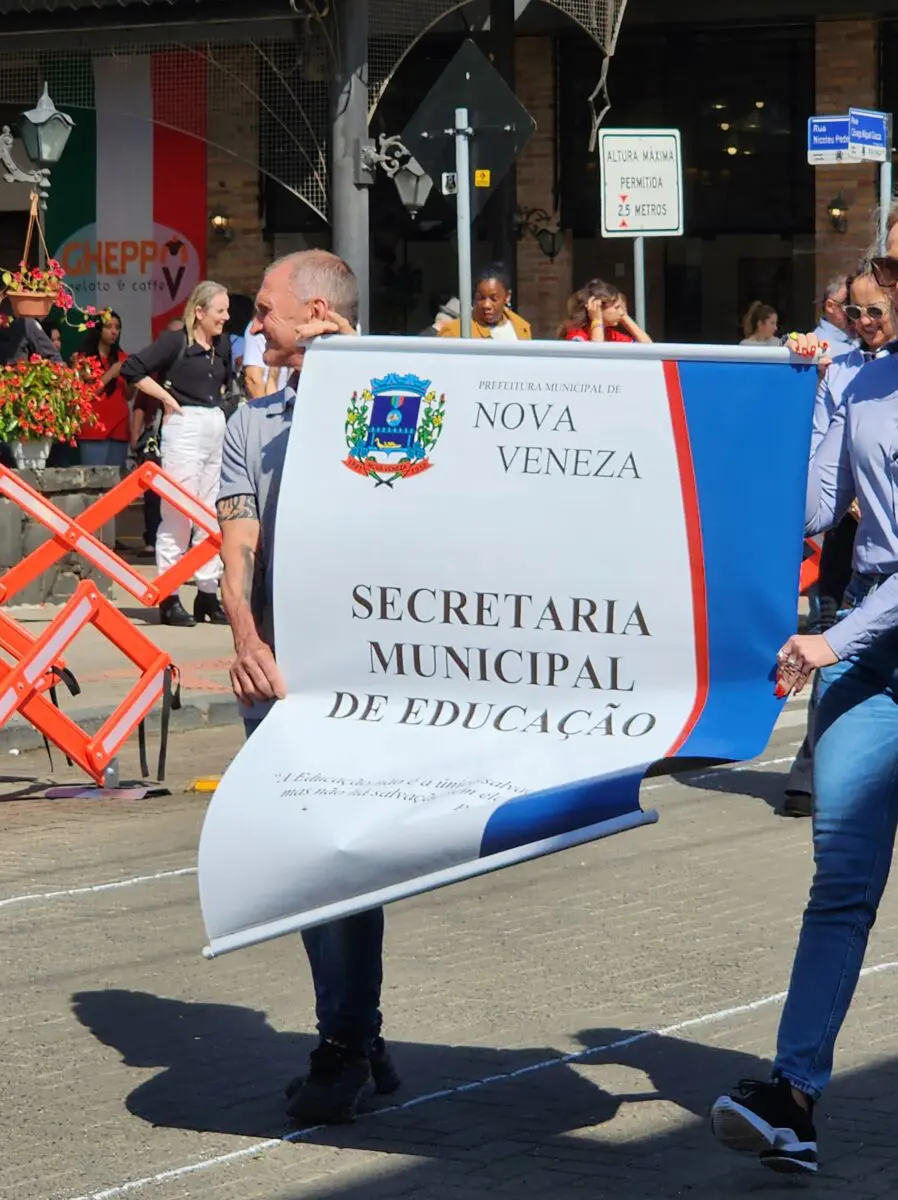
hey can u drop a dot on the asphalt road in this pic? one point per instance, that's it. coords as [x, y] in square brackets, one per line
[132, 1067]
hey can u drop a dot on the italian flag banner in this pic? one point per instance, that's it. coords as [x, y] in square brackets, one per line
[127, 214]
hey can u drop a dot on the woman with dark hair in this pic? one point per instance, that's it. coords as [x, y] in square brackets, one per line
[598, 313]
[493, 316]
[759, 326]
[105, 443]
[53, 332]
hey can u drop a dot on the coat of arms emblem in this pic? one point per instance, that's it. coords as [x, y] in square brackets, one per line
[391, 428]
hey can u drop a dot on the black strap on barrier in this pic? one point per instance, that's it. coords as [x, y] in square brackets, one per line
[75, 689]
[171, 702]
[142, 749]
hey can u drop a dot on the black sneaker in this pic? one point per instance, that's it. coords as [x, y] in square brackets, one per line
[383, 1073]
[338, 1078]
[797, 803]
[386, 1077]
[765, 1119]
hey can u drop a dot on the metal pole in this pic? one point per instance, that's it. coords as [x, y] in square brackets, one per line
[639, 278]
[349, 201]
[463, 209]
[505, 198]
[885, 190]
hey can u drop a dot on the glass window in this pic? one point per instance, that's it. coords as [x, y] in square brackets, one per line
[741, 99]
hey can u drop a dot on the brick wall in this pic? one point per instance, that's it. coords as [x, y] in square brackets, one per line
[847, 75]
[233, 183]
[543, 285]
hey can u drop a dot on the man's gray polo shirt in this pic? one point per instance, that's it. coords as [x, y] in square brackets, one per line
[252, 464]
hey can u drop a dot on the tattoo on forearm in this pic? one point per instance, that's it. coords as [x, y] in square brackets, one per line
[237, 508]
[249, 574]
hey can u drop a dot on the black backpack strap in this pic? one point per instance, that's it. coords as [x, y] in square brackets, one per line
[179, 357]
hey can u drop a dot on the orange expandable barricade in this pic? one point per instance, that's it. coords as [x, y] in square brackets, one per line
[70, 533]
[19, 687]
[39, 665]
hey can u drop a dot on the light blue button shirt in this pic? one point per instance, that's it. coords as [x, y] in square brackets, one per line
[859, 457]
[840, 340]
[831, 389]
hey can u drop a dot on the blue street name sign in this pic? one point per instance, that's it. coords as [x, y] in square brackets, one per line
[869, 135]
[827, 140]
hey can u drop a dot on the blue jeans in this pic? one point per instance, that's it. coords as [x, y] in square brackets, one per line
[103, 452]
[346, 958]
[855, 818]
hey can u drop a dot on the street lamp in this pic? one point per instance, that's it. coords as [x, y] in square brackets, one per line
[45, 131]
[413, 183]
[536, 221]
[838, 214]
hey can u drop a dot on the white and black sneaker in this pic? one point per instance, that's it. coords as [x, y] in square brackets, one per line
[765, 1119]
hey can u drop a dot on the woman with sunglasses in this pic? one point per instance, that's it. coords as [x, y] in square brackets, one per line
[855, 758]
[869, 315]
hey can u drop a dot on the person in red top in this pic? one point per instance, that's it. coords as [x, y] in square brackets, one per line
[105, 443]
[598, 313]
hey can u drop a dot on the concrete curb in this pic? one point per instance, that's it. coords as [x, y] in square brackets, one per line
[200, 710]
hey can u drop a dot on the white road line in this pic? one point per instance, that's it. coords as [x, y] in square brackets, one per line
[723, 1014]
[93, 889]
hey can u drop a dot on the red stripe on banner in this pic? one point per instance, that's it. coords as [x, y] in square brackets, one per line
[696, 552]
[179, 176]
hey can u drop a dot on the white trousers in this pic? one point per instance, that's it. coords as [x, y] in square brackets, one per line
[191, 447]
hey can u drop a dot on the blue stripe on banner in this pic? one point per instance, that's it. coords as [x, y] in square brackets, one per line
[560, 810]
[744, 423]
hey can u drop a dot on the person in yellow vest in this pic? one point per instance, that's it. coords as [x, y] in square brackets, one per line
[493, 316]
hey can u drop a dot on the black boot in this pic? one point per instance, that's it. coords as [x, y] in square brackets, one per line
[173, 612]
[207, 607]
[330, 1093]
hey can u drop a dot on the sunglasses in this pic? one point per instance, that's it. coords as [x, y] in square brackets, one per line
[885, 270]
[854, 312]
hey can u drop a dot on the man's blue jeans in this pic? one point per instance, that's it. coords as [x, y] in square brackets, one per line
[855, 816]
[346, 958]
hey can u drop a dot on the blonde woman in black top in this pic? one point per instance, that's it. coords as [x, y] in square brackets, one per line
[192, 369]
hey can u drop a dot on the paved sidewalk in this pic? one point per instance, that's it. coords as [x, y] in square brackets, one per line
[202, 654]
[135, 1070]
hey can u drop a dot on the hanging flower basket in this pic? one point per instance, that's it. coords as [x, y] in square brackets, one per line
[33, 291]
[31, 304]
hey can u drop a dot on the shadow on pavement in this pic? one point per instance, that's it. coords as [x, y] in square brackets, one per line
[742, 781]
[224, 1068]
[516, 1135]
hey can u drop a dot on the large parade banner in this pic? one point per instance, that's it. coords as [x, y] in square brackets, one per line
[509, 578]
